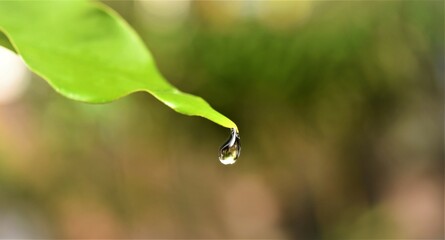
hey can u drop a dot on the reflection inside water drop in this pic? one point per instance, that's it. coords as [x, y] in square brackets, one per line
[231, 149]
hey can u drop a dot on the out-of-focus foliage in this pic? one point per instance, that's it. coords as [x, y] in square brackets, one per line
[88, 53]
[5, 42]
[340, 106]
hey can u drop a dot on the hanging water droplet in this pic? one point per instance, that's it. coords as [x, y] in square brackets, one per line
[231, 149]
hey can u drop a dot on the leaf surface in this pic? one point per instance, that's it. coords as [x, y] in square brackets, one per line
[86, 52]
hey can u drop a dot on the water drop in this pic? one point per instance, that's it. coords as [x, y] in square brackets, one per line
[231, 149]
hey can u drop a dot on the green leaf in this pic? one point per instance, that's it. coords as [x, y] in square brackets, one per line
[88, 53]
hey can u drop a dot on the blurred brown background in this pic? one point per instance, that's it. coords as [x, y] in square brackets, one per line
[340, 110]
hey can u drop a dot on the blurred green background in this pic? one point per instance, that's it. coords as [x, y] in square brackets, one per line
[340, 110]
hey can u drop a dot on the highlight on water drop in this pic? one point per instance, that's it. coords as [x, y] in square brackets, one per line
[231, 149]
